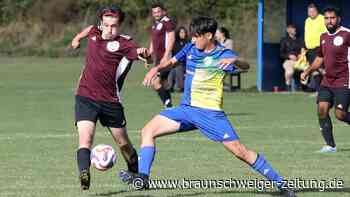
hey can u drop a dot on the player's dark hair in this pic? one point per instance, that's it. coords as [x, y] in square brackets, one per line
[331, 8]
[158, 5]
[203, 24]
[224, 31]
[114, 11]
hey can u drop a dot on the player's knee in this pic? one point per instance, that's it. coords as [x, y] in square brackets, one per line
[238, 149]
[322, 112]
[340, 115]
[147, 133]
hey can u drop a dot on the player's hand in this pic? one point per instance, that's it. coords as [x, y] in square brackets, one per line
[147, 81]
[143, 52]
[75, 43]
[144, 56]
[304, 77]
[224, 63]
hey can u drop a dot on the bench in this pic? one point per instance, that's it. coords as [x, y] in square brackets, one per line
[243, 67]
[237, 75]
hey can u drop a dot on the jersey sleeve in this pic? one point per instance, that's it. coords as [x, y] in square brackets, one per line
[94, 31]
[181, 55]
[169, 26]
[131, 50]
[229, 54]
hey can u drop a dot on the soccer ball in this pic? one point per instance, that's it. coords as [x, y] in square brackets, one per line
[103, 157]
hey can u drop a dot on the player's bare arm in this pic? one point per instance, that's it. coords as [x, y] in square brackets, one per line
[76, 40]
[314, 66]
[150, 49]
[170, 39]
[153, 72]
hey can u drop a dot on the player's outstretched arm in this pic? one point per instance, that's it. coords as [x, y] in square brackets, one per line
[314, 66]
[153, 72]
[76, 40]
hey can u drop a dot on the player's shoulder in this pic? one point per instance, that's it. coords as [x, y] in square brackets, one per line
[94, 30]
[165, 19]
[324, 34]
[345, 30]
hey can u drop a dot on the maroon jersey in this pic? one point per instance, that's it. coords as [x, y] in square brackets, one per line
[158, 35]
[335, 50]
[107, 62]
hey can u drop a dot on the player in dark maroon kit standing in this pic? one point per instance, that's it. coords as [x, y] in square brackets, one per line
[335, 87]
[161, 45]
[109, 56]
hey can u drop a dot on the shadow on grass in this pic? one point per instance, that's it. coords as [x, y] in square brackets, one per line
[239, 114]
[344, 149]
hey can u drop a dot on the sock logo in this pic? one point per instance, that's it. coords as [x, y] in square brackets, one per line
[266, 171]
[340, 106]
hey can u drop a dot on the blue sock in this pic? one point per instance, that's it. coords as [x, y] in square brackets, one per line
[265, 169]
[145, 159]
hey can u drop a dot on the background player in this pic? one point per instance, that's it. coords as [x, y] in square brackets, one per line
[334, 54]
[108, 59]
[201, 105]
[161, 45]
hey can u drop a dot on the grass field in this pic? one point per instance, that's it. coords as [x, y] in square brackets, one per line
[38, 139]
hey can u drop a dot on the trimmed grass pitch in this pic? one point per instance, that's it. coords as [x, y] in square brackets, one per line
[38, 138]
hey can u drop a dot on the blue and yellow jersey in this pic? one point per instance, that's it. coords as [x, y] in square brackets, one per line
[204, 78]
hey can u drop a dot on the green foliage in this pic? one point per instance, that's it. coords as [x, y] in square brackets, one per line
[42, 23]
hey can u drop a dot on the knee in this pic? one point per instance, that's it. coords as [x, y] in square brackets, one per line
[340, 115]
[322, 112]
[239, 150]
[147, 134]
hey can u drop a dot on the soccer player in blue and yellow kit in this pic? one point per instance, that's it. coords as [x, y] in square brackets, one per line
[201, 105]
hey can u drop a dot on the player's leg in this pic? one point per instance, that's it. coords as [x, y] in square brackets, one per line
[258, 163]
[169, 121]
[158, 126]
[160, 86]
[112, 116]
[325, 101]
[342, 101]
[128, 151]
[85, 118]
[86, 131]
[216, 126]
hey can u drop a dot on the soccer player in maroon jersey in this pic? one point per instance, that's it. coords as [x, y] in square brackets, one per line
[109, 56]
[161, 45]
[334, 53]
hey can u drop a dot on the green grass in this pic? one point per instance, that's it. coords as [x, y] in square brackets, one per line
[38, 139]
